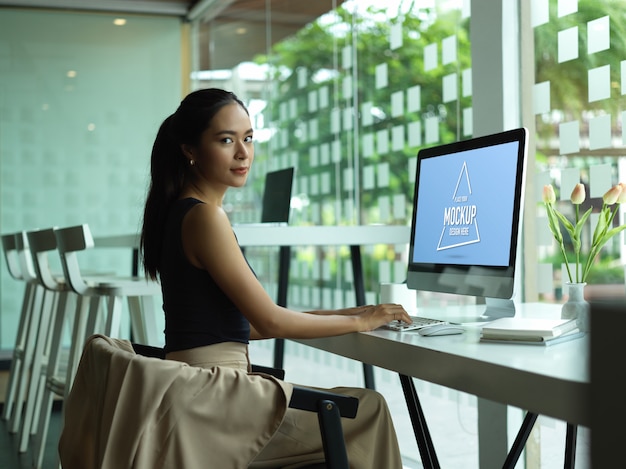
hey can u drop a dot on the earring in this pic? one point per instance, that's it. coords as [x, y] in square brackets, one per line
[191, 162]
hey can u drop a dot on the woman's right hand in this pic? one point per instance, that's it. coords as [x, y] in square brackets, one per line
[374, 316]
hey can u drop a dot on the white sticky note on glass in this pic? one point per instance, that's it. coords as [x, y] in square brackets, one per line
[325, 182]
[397, 138]
[293, 108]
[569, 178]
[368, 177]
[381, 76]
[430, 57]
[415, 133]
[599, 83]
[334, 120]
[466, 82]
[383, 175]
[567, 41]
[600, 132]
[312, 101]
[432, 130]
[282, 111]
[468, 122]
[303, 74]
[448, 50]
[395, 36]
[323, 97]
[347, 87]
[566, 7]
[346, 57]
[325, 153]
[541, 97]
[397, 103]
[382, 142]
[368, 145]
[366, 114]
[412, 168]
[399, 206]
[598, 35]
[569, 137]
[599, 179]
[450, 88]
[539, 12]
[414, 99]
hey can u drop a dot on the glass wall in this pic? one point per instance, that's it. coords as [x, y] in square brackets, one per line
[578, 100]
[81, 99]
[348, 100]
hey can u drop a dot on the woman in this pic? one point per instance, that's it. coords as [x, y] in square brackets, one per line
[213, 302]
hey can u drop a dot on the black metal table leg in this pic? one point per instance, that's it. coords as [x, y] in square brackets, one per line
[420, 427]
[284, 261]
[359, 291]
[570, 446]
[520, 440]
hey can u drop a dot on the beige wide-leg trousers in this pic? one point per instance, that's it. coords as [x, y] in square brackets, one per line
[370, 437]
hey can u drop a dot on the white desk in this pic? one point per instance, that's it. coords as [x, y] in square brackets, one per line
[552, 381]
[256, 235]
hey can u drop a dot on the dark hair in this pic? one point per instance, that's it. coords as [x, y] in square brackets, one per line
[168, 165]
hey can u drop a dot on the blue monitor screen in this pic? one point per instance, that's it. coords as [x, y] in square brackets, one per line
[467, 212]
[465, 207]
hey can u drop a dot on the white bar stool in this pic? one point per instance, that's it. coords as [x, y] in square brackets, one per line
[91, 294]
[40, 301]
[41, 243]
[17, 369]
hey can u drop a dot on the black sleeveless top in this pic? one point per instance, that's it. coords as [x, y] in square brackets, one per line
[197, 312]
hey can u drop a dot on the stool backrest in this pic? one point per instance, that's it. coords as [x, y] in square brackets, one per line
[41, 243]
[11, 257]
[25, 257]
[71, 240]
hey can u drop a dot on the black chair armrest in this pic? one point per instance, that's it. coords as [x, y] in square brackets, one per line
[275, 372]
[330, 407]
[308, 399]
[149, 351]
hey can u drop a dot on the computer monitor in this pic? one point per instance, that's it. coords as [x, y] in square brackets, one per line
[277, 196]
[467, 215]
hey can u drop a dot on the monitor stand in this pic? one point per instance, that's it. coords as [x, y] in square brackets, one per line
[498, 308]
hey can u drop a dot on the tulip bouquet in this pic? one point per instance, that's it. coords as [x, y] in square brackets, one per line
[604, 229]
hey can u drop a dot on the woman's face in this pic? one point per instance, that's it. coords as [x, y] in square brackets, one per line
[226, 150]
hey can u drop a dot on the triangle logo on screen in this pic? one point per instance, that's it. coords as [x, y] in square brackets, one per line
[460, 224]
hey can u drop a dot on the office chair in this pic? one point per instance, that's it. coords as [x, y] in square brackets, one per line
[105, 391]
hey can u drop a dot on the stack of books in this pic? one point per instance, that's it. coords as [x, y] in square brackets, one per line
[530, 331]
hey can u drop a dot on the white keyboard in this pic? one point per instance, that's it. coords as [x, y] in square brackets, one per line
[418, 323]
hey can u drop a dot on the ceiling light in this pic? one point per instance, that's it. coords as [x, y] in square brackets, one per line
[71, 74]
[119, 21]
[241, 30]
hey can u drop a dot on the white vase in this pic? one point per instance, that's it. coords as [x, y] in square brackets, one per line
[576, 307]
